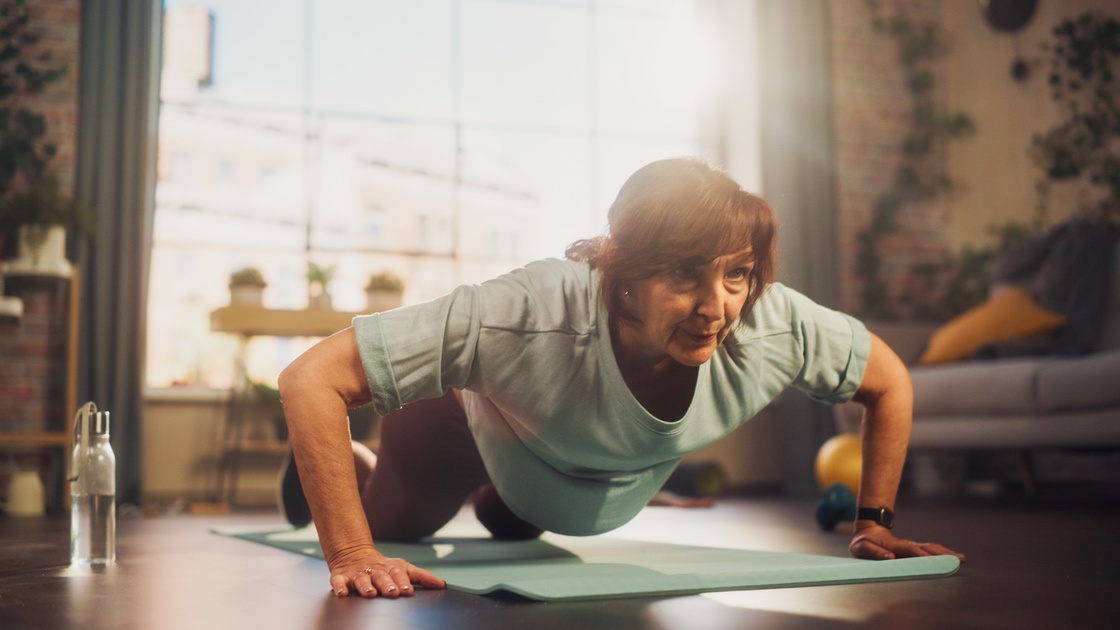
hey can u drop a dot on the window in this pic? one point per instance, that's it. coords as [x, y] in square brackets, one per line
[447, 141]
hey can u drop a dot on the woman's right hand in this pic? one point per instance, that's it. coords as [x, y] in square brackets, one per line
[369, 574]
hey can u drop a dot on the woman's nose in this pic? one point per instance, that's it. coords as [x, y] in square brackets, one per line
[709, 302]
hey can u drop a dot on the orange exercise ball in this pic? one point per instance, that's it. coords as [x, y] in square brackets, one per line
[840, 461]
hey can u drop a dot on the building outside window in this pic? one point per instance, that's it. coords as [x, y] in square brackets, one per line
[446, 141]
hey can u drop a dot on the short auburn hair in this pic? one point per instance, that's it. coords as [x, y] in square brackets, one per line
[679, 212]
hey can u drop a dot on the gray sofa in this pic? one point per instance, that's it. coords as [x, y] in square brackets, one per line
[1023, 404]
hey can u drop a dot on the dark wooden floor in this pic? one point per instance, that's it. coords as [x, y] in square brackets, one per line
[1051, 562]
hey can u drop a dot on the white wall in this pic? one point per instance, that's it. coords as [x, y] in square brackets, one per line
[993, 171]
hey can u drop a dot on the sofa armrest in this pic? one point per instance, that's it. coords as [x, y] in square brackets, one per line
[907, 339]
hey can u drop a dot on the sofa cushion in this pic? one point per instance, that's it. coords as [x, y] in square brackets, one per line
[1010, 386]
[1011, 314]
[975, 387]
[1088, 382]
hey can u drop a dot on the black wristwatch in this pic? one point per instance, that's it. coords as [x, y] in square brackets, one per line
[881, 515]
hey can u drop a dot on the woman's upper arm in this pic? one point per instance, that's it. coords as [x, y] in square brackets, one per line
[335, 364]
[885, 374]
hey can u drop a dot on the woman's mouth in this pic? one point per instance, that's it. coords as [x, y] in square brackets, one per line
[702, 338]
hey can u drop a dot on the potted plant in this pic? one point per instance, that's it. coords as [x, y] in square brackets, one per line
[246, 287]
[40, 216]
[384, 291]
[318, 285]
[33, 206]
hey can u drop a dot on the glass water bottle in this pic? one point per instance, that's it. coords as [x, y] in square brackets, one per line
[93, 490]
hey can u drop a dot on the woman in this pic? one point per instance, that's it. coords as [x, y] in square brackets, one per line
[563, 394]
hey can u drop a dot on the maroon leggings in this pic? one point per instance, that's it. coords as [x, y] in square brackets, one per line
[427, 466]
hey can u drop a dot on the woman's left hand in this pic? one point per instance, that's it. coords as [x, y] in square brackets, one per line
[872, 541]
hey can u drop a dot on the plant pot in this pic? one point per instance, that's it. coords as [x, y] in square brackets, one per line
[377, 301]
[246, 295]
[42, 252]
[320, 301]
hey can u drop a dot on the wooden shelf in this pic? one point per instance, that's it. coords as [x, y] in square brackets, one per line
[43, 438]
[259, 321]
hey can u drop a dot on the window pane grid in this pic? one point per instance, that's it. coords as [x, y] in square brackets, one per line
[446, 141]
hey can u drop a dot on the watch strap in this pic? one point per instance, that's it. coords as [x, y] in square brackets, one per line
[880, 515]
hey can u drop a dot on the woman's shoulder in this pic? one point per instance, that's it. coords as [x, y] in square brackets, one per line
[774, 308]
[782, 310]
[548, 276]
[560, 269]
[548, 293]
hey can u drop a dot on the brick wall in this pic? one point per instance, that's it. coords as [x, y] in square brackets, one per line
[33, 348]
[871, 114]
[33, 373]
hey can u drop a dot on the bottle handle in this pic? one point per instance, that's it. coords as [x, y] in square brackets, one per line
[81, 435]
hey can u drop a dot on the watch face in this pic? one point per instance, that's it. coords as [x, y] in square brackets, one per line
[886, 518]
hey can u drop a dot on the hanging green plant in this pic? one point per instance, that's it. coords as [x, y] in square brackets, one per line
[1084, 63]
[1084, 80]
[919, 177]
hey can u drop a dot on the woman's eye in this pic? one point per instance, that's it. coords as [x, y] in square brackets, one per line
[739, 273]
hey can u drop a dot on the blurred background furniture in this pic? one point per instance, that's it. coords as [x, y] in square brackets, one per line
[1019, 405]
[246, 322]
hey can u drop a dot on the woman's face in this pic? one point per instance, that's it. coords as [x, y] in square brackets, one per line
[685, 313]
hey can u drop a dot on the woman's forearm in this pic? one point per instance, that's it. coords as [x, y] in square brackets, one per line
[888, 400]
[885, 433]
[316, 390]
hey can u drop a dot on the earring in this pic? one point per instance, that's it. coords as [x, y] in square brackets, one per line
[625, 294]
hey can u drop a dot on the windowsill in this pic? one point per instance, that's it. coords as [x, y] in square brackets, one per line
[185, 394]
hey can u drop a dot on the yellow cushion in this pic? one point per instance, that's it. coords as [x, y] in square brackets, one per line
[1011, 314]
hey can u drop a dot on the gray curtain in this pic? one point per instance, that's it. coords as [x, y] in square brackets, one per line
[795, 110]
[118, 102]
[797, 177]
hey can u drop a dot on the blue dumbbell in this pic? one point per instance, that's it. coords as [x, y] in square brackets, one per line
[837, 504]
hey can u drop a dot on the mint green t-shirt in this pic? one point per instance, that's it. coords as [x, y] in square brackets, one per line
[566, 444]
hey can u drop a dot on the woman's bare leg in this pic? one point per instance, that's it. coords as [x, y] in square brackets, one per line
[364, 463]
[426, 467]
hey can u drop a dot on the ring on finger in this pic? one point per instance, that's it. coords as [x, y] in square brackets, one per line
[367, 570]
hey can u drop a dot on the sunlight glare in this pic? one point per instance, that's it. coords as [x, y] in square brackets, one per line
[682, 62]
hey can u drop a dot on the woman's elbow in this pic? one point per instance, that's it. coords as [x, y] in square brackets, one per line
[293, 382]
[885, 376]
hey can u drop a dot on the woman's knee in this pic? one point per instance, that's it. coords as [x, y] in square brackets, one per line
[498, 519]
[405, 525]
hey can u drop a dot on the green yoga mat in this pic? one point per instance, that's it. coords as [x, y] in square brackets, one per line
[563, 568]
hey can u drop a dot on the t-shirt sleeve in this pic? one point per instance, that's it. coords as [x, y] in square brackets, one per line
[835, 349]
[419, 351]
